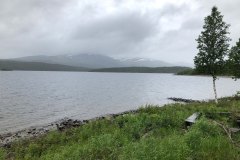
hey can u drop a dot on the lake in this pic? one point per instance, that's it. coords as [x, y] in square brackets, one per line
[37, 98]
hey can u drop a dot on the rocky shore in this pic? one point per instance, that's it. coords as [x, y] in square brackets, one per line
[7, 139]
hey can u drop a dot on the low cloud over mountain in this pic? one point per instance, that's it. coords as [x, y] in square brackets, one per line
[157, 29]
[96, 61]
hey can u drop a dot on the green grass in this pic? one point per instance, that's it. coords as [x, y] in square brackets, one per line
[152, 133]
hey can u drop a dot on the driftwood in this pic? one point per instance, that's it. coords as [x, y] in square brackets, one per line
[229, 132]
[226, 129]
[234, 130]
[184, 100]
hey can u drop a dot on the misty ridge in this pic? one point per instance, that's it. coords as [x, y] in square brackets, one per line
[93, 61]
[87, 62]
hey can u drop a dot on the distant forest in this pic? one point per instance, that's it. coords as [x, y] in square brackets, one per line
[175, 69]
[6, 65]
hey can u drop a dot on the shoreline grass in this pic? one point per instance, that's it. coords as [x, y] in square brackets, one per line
[152, 133]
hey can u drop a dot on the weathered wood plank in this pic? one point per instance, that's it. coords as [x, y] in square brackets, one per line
[192, 119]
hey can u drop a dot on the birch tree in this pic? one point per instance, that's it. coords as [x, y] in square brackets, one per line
[212, 46]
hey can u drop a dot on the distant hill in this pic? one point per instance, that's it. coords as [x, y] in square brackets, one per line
[6, 65]
[175, 69]
[94, 61]
[81, 60]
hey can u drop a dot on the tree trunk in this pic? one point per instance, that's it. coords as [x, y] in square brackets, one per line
[214, 89]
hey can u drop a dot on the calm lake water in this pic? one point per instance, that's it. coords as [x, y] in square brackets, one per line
[37, 98]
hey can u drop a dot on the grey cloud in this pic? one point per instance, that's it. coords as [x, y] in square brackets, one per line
[173, 10]
[195, 23]
[128, 26]
[115, 28]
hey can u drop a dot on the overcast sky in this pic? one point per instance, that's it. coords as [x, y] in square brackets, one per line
[156, 29]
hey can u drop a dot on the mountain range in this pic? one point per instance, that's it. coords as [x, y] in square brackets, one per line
[94, 61]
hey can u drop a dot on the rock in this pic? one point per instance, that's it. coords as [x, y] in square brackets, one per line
[8, 135]
[114, 115]
[18, 136]
[7, 145]
[68, 123]
[85, 121]
[59, 128]
[102, 117]
[108, 117]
